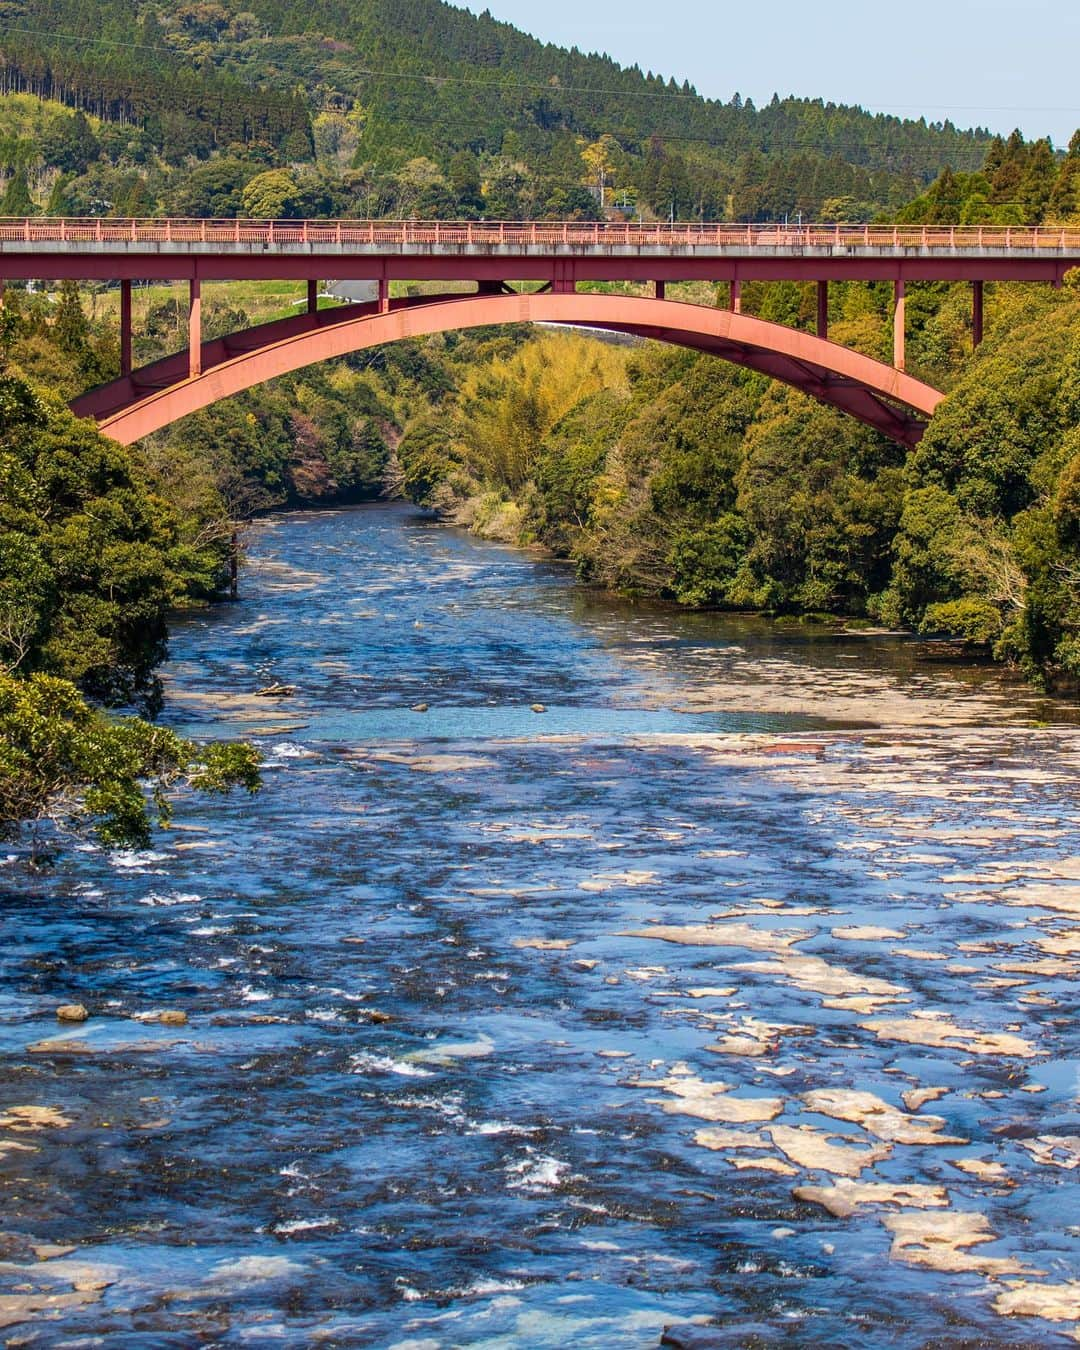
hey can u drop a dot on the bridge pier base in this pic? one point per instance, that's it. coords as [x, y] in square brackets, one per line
[976, 314]
[194, 328]
[659, 289]
[125, 327]
[823, 309]
[735, 300]
[384, 295]
[313, 297]
[899, 325]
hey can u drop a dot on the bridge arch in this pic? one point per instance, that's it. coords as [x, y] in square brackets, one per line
[147, 400]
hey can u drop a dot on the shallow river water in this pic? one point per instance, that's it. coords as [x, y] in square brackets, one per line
[734, 993]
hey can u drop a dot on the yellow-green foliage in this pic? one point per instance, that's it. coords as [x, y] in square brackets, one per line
[510, 403]
[27, 116]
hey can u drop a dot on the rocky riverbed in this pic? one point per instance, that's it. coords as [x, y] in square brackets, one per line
[731, 996]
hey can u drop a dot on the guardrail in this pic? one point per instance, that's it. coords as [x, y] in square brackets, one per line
[540, 234]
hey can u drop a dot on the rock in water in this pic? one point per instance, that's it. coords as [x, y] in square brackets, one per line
[275, 691]
[419, 707]
[538, 707]
[72, 1012]
[173, 1017]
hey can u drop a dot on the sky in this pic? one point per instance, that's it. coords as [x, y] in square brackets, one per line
[977, 62]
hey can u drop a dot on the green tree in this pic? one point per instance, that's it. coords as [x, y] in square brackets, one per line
[1064, 203]
[16, 200]
[64, 764]
[270, 195]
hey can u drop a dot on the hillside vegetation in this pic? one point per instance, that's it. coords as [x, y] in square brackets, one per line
[92, 557]
[380, 108]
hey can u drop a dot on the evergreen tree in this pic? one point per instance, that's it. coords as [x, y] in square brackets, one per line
[1037, 186]
[16, 200]
[71, 329]
[1064, 205]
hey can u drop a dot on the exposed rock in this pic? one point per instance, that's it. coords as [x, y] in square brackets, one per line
[72, 1012]
[275, 691]
[754, 1038]
[740, 1045]
[811, 1148]
[877, 1117]
[942, 1033]
[60, 1046]
[867, 933]
[711, 1101]
[173, 1017]
[538, 708]
[1054, 1150]
[610, 881]
[16, 1308]
[730, 1139]
[445, 763]
[916, 1097]
[419, 707]
[818, 976]
[940, 1241]
[1054, 1302]
[775, 1165]
[544, 944]
[23, 1118]
[723, 935]
[845, 1196]
[11, 1146]
[982, 1171]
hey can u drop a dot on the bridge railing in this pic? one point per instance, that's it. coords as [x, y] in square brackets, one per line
[542, 234]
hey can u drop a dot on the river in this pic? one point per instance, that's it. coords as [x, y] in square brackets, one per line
[732, 992]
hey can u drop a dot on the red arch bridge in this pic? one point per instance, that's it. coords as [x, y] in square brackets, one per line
[497, 257]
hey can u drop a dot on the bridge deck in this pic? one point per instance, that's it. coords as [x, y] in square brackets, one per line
[534, 250]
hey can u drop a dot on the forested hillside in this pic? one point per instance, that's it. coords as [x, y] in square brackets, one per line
[380, 108]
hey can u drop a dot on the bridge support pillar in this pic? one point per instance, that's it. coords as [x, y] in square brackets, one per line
[194, 328]
[823, 309]
[384, 295]
[735, 302]
[659, 289]
[976, 314]
[312, 297]
[899, 325]
[125, 327]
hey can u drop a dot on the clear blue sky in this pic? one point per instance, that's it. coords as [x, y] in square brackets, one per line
[995, 63]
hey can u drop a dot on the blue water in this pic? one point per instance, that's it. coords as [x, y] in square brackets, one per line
[389, 1123]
